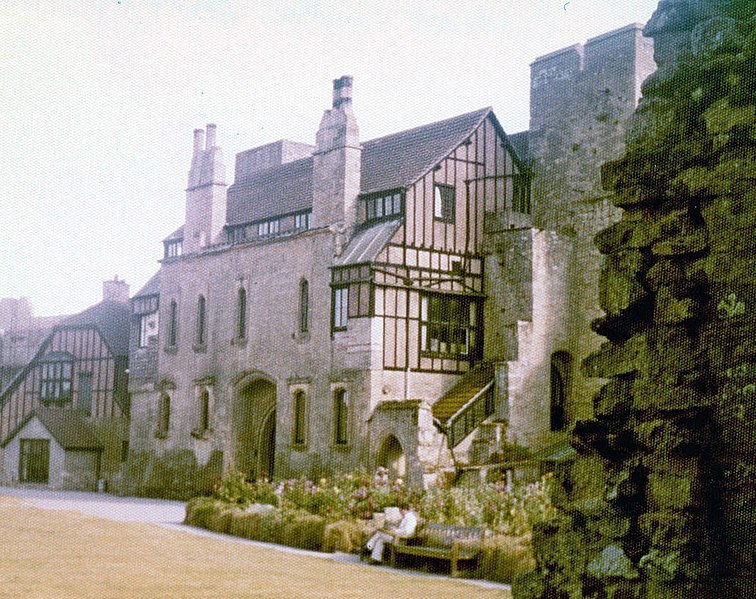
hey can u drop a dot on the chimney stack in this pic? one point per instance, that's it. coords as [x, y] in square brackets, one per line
[199, 141]
[337, 162]
[342, 91]
[210, 137]
[115, 291]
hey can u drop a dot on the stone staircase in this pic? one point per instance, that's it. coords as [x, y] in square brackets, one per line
[467, 404]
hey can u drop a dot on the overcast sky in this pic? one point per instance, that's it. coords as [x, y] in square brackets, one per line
[99, 98]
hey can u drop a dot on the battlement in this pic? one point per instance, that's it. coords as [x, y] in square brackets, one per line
[616, 61]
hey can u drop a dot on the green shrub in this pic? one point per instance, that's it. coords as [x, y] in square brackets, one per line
[346, 536]
[199, 510]
[504, 557]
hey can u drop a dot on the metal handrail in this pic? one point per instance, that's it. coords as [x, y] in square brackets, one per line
[468, 403]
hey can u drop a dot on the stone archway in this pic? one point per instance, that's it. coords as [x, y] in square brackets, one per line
[253, 426]
[267, 451]
[391, 456]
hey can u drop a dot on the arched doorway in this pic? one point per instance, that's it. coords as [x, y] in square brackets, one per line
[267, 452]
[391, 456]
[254, 427]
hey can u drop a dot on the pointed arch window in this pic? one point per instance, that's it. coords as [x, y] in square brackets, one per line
[172, 324]
[241, 313]
[201, 321]
[341, 416]
[300, 418]
[304, 307]
[164, 415]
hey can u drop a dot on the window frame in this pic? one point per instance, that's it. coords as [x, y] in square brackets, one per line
[302, 221]
[56, 378]
[163, 424]
[241, 313]
[384, 205]
[299, 420]
[440, 321]
[340, 307]
[444, 202]
[341, 417]
[269, 227]
[201, 331]
[172, 337]
[303, 324]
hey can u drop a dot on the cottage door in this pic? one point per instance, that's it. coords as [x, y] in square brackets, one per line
[34, 461]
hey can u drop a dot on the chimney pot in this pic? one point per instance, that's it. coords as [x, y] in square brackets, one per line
[342, 91]
[210, 137]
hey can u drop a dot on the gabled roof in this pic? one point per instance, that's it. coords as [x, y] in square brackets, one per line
[112, 321]
[151, 287]
[66, 426]
[177, 235]
[389, 162]
[400, 159]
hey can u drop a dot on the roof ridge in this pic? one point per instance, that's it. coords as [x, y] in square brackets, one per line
[483, 110]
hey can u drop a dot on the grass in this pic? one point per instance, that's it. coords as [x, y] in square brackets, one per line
[56, 554]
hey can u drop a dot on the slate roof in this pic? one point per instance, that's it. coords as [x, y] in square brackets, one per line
[66, 426]
[151, 287]
[280, 190]
[389, 162]
[112, 321]
[519, 142]
[400, 159]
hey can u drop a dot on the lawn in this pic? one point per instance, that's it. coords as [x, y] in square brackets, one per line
[51, 554]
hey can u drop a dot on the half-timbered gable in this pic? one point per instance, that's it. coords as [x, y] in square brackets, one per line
[81, 368]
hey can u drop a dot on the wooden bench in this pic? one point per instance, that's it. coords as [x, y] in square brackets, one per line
[441, 541]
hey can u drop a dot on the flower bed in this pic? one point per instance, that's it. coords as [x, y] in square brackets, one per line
[337, 514]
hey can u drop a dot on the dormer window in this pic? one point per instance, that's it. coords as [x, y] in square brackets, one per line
[302, 221]
[173, 248]
[267, 228]
[383, 205]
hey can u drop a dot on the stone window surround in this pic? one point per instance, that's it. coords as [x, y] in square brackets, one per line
[336, 388]
[300, 386]
[204, 388]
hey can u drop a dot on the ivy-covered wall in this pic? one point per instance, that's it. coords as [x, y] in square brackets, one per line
[659, 502]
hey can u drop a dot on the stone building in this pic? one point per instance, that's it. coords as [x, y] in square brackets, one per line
[403, 301]
[64, 416]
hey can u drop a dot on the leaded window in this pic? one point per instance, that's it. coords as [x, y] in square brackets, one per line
[340, 307]
[56, 377]
[383, 205]
[449, 325]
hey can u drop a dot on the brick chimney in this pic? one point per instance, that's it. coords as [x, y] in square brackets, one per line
[337, 161]
[115, 291]
[205, 193]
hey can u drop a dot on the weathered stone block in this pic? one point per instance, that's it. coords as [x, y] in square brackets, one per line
[612, 562]
[670, 310]
[614, 359]
[614, 399]
[674, 492]
[619, 288]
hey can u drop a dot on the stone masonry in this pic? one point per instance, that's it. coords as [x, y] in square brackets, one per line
[659, 502]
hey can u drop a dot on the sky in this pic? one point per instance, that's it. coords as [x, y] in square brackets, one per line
[99, 100]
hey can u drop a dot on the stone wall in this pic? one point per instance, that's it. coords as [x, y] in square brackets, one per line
[659, 502]
[581, 101]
